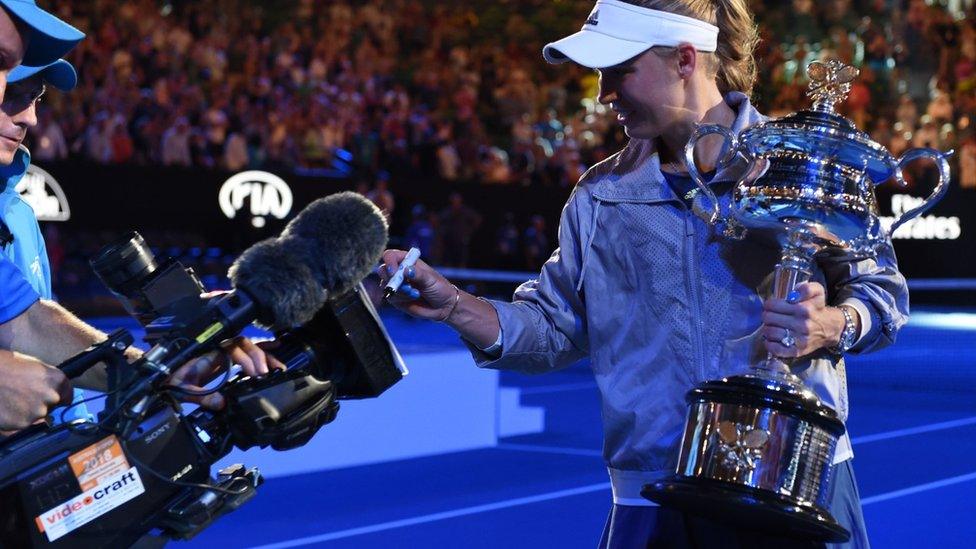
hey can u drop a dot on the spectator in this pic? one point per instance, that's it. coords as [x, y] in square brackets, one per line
[176, 144]
[859, 99]
[967, 162]
[236, 156]
[458, 223]
[122, 147]
[907, 113]
[48, 139]
[901, 140]
[448, 159]
[420, 233]
[536, 243]
[507, 243]
[200, 151]
[801, 22]
[495, 167]
[381, 195]
[927, 135]
[98, 139]
[940, 107]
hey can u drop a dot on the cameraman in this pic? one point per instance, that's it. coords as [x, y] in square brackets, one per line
[23, 243]
[27, 387]
[32, 325]
[46, 331]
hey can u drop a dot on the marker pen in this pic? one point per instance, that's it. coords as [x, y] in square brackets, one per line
[397, 279]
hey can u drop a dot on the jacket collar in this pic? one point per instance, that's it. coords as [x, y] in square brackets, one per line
[12, 174]
[634, 174]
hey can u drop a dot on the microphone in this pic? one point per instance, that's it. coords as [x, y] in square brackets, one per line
[280, 282]
[283, 282]
[342, 237]
[328, 248]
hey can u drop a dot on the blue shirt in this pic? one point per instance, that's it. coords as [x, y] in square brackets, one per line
[27, 251]
[16, 295]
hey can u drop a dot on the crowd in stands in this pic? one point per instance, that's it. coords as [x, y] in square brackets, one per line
[456, 92]
[453, 91]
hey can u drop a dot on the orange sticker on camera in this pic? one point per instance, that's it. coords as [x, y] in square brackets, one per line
[98, 461]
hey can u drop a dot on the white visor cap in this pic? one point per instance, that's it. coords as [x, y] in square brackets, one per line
[616, 31]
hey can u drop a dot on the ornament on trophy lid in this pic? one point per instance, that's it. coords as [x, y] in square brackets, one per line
[830, 83]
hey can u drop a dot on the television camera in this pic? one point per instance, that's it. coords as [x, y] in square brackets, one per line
[141, 473]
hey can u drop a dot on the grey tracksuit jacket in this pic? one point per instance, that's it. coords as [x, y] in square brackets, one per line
[660, 302]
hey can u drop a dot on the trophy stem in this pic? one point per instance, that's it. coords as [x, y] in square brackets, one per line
[793, 269]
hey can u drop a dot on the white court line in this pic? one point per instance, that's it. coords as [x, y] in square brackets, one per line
[606, 486]
[550, 449]
[555, 388]
[915, 430]
[552, 496]
[603, 486]
[920, 488]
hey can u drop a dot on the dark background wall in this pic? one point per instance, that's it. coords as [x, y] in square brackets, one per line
[171, 200]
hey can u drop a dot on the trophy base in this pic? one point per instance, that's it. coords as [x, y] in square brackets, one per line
[747, 508]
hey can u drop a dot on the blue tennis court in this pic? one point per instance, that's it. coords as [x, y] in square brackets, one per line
[913, 425]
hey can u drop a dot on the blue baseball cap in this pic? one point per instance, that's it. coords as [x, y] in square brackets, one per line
[51, 38]
[59, 74]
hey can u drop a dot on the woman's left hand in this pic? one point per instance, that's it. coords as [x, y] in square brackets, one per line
[801, 324]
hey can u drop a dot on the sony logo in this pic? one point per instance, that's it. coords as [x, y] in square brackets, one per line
[148, 439]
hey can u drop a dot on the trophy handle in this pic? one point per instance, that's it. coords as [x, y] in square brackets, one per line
[731, 140]
[942, 162]
[868, 243]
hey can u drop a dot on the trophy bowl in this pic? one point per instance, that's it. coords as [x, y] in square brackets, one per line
[813, 168]
[822, 183]
[758, 448]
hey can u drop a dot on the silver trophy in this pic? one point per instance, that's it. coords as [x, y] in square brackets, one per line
[758, 448]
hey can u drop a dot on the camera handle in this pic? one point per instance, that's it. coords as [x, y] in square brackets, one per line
[111, 352]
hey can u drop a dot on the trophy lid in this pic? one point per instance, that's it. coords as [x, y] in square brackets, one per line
[820, 132]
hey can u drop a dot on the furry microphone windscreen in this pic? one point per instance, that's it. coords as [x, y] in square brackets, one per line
[342, 237]
[282, 283]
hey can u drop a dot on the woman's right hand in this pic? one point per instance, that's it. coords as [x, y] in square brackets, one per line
[424, 292]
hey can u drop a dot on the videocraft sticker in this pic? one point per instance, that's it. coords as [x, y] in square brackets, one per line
[106, 481]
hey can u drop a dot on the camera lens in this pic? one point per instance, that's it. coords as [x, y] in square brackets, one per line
[122, 266]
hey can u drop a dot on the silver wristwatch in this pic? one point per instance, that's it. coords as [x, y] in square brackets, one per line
[848, 336]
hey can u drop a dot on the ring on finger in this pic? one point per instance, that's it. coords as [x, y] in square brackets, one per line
[787, 340]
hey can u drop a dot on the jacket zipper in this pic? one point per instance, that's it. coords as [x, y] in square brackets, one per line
[693, 292]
